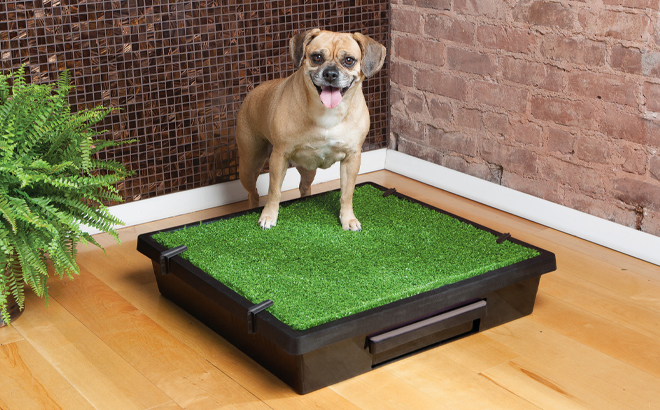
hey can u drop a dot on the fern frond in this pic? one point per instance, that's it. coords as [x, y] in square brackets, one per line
[32, 264]
[7, 212]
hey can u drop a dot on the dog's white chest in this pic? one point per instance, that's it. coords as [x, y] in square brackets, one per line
[320, 154]
[331, 140]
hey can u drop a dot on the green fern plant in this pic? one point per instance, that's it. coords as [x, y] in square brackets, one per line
[51, 183]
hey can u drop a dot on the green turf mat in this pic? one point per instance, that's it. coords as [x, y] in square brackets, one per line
[315, 272]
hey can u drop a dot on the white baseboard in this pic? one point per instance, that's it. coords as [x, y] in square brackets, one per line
[603, 232]
[198, 199]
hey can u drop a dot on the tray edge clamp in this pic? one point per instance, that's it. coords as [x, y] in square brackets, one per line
[168, 254]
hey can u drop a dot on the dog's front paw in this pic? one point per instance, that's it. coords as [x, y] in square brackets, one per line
[351, 224]
[267, 221]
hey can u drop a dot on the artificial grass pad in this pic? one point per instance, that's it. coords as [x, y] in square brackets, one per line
[315, 272]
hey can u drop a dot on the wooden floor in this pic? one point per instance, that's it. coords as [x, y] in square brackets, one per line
[108, 340]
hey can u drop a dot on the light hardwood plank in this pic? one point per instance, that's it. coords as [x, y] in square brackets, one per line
[167, 406]
[8, 334]
[559, 354]
[615, 340]
[608, 304]
[444, 380]
[534, 388]
[567, 384]
[95, 370]
[28, 381]
[175, 320]
[380, 389]
[274, 392]
[135, 268]
[625, 282]
[607, 255]
[174, 368]
[477, 352]
[649, 297]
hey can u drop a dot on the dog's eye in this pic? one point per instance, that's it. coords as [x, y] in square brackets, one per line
[349, 61]
[317, 58]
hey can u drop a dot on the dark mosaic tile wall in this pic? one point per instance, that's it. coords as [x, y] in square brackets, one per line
[179, 71]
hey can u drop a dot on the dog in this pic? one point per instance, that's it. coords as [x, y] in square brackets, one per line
[314, 118]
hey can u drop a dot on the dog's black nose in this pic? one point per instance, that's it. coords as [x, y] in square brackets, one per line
[330, 74]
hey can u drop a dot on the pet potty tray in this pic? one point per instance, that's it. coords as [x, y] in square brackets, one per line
[308, 356]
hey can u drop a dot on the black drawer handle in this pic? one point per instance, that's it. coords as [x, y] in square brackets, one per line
[456, 317]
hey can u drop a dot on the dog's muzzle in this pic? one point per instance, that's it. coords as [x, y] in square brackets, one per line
[330, 88]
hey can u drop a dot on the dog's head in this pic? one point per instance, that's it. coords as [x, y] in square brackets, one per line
[336, 62]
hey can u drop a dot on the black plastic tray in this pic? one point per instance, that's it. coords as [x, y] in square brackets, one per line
[325, 354]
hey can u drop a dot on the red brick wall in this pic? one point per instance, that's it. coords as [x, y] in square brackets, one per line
[558, 99]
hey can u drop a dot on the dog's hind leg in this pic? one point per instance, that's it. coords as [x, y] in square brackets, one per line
[306, 179]
[252, 154]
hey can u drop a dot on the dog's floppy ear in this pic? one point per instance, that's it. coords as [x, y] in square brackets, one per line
[298, 43]
[373, 54]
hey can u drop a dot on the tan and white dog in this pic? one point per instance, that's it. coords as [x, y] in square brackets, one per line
[315, 117]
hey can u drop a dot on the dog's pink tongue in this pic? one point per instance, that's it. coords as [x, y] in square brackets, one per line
[330, 96]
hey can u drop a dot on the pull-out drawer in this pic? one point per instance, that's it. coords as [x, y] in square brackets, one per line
[412, 337]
